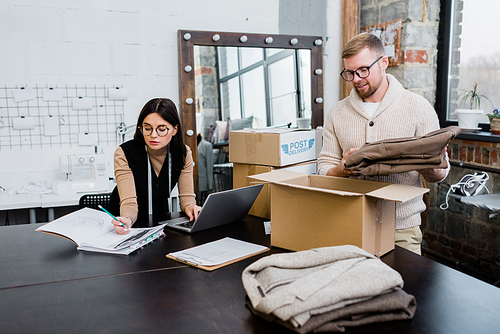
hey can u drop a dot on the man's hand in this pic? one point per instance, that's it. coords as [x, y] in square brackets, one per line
[340, 170]
[435, 174]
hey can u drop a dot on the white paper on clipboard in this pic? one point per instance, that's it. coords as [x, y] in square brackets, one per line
[218, 252]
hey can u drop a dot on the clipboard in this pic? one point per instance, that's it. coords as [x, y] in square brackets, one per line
[217, 247]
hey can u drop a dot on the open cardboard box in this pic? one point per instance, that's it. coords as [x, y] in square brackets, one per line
[262, 205]
[311, 211]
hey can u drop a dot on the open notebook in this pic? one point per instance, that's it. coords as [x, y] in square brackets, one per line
[91, 230]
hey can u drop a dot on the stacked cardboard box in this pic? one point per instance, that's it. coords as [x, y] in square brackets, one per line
[264, 150]
[274, 147]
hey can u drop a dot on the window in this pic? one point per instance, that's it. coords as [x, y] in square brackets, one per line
[468, 53]
[273, 85]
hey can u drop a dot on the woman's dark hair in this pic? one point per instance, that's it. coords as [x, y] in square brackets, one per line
[167, 110]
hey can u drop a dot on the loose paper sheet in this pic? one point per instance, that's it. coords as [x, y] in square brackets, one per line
[88, 139]
[118, 94]
[82, 103]
[218, 252]
[23, 94]
[51, 125]
[53, 94]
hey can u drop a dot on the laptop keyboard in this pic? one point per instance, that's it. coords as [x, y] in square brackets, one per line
[188, 224]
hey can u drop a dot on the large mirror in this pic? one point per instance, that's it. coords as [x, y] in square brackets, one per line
[251, 79]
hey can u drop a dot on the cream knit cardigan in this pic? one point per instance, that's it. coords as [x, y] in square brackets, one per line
[296, 286]
[401, 113]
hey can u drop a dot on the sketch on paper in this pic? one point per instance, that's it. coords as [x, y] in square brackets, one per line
[87, 221]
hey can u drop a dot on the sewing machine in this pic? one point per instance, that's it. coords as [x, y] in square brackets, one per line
[85, 172]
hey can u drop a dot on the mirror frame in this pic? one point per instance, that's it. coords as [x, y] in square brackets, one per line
[186, 39]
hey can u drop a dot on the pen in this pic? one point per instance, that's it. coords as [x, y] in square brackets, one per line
[103, 209]
[132, 238]
[186, 260]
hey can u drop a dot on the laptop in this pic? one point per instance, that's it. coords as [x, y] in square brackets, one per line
[220, 208]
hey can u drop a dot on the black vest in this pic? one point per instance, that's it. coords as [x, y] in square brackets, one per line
[137, 159]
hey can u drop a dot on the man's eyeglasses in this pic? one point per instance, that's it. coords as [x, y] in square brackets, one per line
[362, 72]
[161, 130]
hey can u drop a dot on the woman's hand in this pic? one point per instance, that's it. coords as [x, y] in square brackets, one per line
[192, 211]
[123, 226]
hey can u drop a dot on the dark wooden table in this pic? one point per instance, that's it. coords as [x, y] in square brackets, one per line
[47, 286]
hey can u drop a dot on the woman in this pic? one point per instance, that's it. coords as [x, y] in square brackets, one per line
[157, 144]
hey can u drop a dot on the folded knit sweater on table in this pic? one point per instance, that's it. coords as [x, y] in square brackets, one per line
[296, 286]
[395, 305]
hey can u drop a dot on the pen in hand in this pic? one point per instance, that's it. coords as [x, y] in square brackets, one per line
[103, 209]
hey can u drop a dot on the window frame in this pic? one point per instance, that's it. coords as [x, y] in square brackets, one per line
[446, 37]
[265, 63]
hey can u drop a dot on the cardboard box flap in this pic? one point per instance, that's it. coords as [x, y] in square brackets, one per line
[278, 176]
[397, 192]
[270, 130]
[296, 180]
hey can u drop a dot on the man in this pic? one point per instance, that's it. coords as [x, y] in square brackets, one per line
[378, 108]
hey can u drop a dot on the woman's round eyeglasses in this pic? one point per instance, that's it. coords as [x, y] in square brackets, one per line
[362, 72]
[161, 130]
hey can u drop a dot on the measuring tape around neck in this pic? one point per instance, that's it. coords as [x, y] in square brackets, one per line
[150, 182]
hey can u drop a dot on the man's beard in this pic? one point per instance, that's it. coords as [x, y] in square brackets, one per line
[368, 92]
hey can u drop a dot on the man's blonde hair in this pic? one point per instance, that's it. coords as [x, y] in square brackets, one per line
[362, 41]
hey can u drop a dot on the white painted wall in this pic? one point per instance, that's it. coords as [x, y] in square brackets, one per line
[331, 54]
[127, 42]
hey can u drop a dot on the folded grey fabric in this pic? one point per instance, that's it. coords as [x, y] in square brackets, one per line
[293, 287]
[395, 305]
[401, 155]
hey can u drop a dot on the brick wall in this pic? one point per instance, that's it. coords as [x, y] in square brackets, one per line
[475, 152]
[419, 31]
[462, 235]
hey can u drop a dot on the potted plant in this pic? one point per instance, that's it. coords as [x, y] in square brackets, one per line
[303, 121]
[468, 119]
[494, 121]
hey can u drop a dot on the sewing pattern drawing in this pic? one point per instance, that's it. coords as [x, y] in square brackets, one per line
[90, 222]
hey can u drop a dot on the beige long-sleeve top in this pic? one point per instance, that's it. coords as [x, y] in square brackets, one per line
[295, 286]
[401, 113]
[126, 184]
